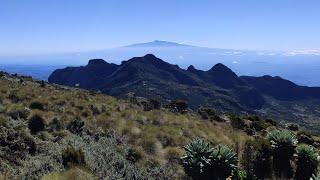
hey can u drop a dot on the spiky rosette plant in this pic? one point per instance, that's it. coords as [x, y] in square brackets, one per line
[224, 162]
[308, 161]
[197, 158]
[315, 176]
[283, 144]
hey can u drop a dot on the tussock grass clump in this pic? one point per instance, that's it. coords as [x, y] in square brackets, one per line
[38, 105]
[36, 123]
[72, 157]
[18, 111]
[76, 126]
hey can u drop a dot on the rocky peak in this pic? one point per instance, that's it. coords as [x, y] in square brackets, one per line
[97, 62]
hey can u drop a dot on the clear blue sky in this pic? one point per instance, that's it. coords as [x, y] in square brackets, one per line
[45, 26]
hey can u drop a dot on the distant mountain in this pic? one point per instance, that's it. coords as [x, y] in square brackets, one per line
[218, 87]
[158, 43]
[301, 67]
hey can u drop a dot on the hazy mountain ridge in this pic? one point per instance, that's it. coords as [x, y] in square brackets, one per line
[300, 67]
[218, 87]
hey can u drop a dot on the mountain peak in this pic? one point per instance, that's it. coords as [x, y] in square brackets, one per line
[150, 56]
[96, 62]
[219, 66]
[221, 69]
[159, 43]
[191, 68]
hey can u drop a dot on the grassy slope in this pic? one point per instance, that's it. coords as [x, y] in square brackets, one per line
[157, 136]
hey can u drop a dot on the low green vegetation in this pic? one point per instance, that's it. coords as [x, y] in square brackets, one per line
[53, 132]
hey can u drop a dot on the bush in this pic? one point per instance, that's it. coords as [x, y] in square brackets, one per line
[37, 105]
[76, 127]
[305, 138]
[134, 155]
[271, 121]
[95, 110]
[14, 96]
[18, 112]
[208, 113]
[55, 125]
[292, 126]
[308, 161]
[15, 142]
[148, 105]
[149, 145]
[237, 122]
[283, 145]
[36, 124]
[180, 106]
[259, 125]
[239, 175]
[72, 156]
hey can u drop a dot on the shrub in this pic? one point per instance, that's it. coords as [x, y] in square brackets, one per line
[154, 104]
[76, 127]
[180, 106]
[271, 121]
[208, 113]
[42, 84]
[72, 156]
[254, 118]
[173, 154]
[239, 175]
[134, 155]
[95, 110]
[237, 122]
[148, 105]
[292, 126]
[259, 125]
[305, 137]
[283, 145]
[37, 105]
[18, 112]
[36, 124]
[14, 96]
[15, 142]
[55, 125]
[308, 160]
[149, 145]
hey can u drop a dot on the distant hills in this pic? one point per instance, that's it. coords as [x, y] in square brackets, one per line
[301, 67]
[158, 43]
[218, 87]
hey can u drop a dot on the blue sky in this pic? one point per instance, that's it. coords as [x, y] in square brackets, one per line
[49, 26]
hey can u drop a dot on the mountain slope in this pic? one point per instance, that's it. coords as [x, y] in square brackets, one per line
[219, 87]
[117, 139]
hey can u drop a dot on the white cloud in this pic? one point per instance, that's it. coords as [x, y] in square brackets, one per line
[315, 52]
[181, 57]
